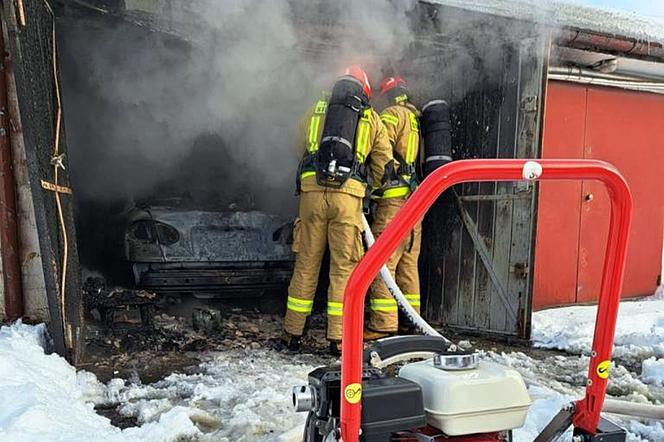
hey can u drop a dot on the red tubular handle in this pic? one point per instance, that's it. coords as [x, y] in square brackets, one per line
[588, 410]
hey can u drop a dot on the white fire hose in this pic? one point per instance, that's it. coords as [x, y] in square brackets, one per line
[396, 292]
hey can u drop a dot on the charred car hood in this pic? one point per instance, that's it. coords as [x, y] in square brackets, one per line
[161, 234]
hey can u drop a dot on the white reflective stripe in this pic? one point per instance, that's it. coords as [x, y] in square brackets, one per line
[438, 158]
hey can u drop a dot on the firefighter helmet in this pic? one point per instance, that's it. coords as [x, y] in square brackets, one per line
[358, 73]
[390, 83]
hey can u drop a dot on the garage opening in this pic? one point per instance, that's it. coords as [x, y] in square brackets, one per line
[180, 121]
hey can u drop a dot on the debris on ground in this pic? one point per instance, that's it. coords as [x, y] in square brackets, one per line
[225, 380]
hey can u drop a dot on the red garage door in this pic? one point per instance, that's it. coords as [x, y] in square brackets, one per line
[626, 129]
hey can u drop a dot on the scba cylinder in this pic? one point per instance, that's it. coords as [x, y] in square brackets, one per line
[436, 132]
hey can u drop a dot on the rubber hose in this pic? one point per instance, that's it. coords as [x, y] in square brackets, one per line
[396, 292]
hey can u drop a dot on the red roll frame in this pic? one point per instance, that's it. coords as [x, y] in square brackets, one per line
[587, 414]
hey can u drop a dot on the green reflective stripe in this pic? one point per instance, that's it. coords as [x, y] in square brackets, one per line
[413, 139]
[389, 119]
[363, 136]
[384, 301]
[300, 305]
[411, 152]
[414, 124]
[396, 192]
[413, 299]
[384, 305]
[335, 308]
[321, 107]
[401, 98]
[307, 174]
[314, 125]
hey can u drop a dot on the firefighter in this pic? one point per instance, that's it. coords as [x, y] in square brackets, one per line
[345, 148]
[401, 119]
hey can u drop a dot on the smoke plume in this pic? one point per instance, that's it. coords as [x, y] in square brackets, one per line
[208, 94]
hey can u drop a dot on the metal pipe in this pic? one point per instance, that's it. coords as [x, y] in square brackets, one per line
[646, 411]
[642, 49]
[584, 72]
[587, 410]
[585, 76]
[9, 244]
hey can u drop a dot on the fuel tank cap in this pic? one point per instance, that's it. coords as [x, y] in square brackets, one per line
[456, 360]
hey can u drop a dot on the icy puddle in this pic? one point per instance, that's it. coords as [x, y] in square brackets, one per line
[240, 395]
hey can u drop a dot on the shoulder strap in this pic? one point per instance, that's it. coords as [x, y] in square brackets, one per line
[314, 125]
[362, 137]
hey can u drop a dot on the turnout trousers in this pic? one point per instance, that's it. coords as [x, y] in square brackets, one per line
[384, 314]
[326, 218]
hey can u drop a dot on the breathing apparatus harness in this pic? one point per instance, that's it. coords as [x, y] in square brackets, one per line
[340, 152]
[401, 183]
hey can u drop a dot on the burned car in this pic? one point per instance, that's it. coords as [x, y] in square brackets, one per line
[208, 253]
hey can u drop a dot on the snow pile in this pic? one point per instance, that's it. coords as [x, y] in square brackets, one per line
[43, 398]
[569, 13]
[640, 432]
[659, 294]
[653, 372]
[546, 404]
[40, 395]
[639, 331]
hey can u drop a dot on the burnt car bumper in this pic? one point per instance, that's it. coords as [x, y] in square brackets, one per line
[213, 279]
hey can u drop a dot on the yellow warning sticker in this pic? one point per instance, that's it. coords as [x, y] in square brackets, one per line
[603, 369]
[353, 393]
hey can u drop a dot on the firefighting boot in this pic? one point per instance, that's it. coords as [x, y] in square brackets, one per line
[407, 330]
[291, 342]
[372, 335]
[335, 349]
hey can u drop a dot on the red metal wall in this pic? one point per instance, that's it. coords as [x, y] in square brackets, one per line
[626, 129]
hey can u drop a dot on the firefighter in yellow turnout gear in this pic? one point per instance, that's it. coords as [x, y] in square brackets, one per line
[401, 121]
[331, 215]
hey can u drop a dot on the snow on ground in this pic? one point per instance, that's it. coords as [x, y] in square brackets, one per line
[653, 371]
[558, 380]
[236, 397]
[639, 332]
[244, 395]
[43, 398]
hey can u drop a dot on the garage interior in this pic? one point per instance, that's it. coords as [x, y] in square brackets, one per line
[178, 140]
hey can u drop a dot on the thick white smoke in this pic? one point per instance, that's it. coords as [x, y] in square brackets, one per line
[229, 79]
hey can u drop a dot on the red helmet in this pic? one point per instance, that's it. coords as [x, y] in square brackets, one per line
[390, 83]
[358, 73]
